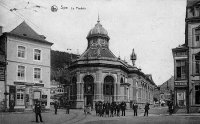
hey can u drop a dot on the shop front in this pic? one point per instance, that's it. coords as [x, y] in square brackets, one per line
[23, 95]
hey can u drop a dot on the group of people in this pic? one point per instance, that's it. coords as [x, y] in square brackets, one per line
[103, 109]
[106, 109]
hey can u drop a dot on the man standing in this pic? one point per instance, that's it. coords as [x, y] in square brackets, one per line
[123, 107]
[135, 107]
[146, 108]
[170, 108]
[67, 107]
[38, 111]
[56, 107]
[118, 109]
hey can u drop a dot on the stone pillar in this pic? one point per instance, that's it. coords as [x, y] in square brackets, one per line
[80, 93]
[115, 91]
[98, 87]
[118, 93]
[102, 97]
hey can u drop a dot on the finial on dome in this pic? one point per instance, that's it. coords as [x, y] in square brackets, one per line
[98, 18]
[133, 57]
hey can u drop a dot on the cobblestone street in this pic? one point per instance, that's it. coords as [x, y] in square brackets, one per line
[156, 115]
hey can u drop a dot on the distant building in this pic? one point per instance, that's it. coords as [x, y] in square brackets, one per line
[98, 75]
[166, 91]
[27, 56]
[57, 92]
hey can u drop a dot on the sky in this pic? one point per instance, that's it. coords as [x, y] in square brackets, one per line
[151, 27]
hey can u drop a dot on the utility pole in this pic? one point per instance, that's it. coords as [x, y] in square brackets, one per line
[188, 82]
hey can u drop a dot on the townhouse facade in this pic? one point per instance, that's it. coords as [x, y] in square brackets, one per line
[27, 56]
[186, 61]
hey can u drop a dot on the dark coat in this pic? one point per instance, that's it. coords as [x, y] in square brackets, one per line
[37, 108]
[56, 105]
[123, 105]
[146, 107]
[135, 107]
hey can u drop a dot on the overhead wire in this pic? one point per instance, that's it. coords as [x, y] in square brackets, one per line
[17, 13]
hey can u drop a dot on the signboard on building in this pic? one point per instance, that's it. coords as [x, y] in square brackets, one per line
[2, 73]
[180, 83]
[37, 94]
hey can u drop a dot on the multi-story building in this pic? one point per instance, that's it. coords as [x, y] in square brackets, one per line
[187, 58]
[98, 75]
[180, 75]
[27, 56]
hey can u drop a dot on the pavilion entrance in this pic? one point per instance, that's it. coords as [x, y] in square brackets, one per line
[88, 90]
[108, 89]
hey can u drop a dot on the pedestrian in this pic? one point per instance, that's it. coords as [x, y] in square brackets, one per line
[101, 109]
[112, 109]
[56, 107]
[115, 108]
[146, 109]
[38, 111]
[67, 107]
[170, 107]
[135, 107]
[107, 109]
[97, 108]
[104, 108]
[123, 108]
[118, 109]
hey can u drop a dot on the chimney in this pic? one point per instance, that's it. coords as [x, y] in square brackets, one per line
[1, 30]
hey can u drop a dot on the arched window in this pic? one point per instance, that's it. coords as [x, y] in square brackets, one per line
[121, 80]
[88, 85]
[108, 85]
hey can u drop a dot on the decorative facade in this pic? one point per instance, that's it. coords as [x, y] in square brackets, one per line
[98, 75]
[27, 72]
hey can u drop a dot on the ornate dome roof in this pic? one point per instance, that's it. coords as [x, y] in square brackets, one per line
[98, 30]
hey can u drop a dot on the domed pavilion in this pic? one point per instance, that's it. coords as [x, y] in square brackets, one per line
[98, 75]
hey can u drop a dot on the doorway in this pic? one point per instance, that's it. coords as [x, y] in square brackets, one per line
[108, 89]
[88, 90]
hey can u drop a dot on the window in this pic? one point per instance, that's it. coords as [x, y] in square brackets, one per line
[180, 69]
[140, 92]
[37, 73]
[21, 52]
[197, 34]
[21, 72]
[37, 54]
[197, 67]
[197, 94]
[20, 97]
[197, 37]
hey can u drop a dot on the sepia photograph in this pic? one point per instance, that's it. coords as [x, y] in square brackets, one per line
[100, 61]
